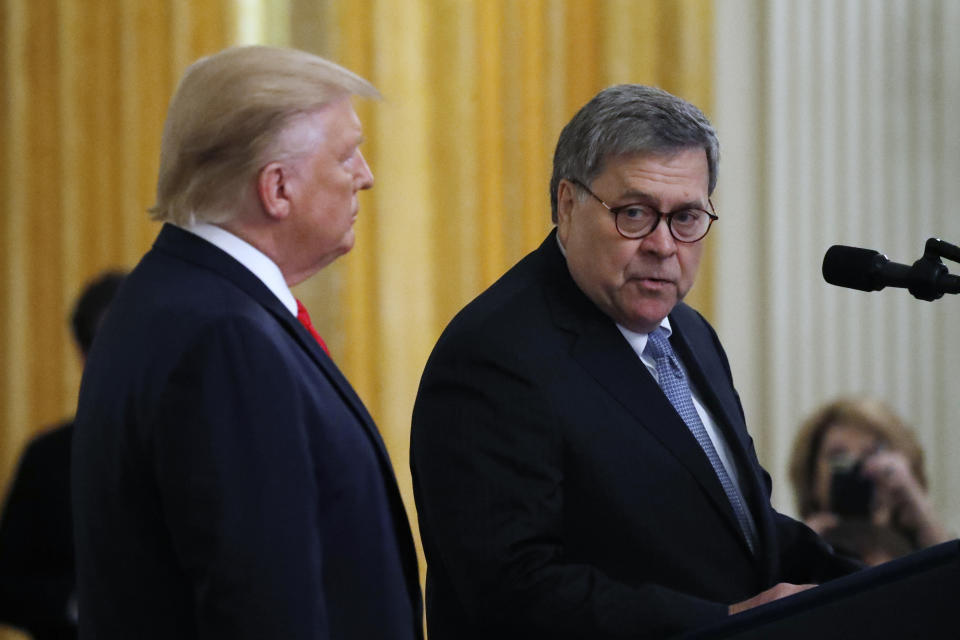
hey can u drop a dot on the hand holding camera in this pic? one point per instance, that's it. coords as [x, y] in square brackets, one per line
[882, 489]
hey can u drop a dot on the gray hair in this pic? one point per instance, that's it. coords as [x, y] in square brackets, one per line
[624, 119]
[225, 122]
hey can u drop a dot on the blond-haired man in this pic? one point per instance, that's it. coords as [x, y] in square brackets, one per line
[228, 482]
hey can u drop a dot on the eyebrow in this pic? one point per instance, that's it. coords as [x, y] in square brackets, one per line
[633, 196]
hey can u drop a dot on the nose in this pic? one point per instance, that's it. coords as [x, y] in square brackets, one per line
[659, 242]
[364, 174]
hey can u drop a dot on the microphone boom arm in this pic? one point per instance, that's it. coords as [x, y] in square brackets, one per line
[937, 247]
[929, 278]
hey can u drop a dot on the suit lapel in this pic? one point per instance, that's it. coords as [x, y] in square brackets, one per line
[703, 372]
[701, 359]
[196, 250]
[607, 357]
[614, 365]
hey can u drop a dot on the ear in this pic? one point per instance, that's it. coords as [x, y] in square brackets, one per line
[566, 199]
[274, 190]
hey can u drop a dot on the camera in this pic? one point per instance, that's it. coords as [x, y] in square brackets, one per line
[851, 492]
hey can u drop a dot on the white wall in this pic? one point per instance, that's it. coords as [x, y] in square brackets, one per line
[839, 123]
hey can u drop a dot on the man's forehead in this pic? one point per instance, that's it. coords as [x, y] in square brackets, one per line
[668, 166]
[663, 155]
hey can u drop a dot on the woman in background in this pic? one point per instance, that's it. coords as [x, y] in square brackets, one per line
[857, 471]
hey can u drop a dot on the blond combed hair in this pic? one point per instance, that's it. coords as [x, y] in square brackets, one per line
[225, 122]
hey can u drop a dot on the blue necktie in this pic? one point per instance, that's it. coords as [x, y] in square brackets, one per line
[674, 384]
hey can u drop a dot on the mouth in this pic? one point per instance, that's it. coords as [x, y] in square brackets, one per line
[653, 283]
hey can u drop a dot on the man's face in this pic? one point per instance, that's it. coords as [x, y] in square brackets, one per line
[635, 282]
[324, 195]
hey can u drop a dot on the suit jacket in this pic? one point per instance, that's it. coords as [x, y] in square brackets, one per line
[228, 482]
[560, 494]
[37, 575]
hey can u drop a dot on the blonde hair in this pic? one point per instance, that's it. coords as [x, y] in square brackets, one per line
[868, 414]
[225, 122]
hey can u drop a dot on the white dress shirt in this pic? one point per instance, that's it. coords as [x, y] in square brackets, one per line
[249, 256]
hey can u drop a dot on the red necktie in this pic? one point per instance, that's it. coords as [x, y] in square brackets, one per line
[304, 319]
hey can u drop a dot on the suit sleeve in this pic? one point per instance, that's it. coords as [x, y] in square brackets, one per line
[805, 557]
[488, 468]
[237, 487]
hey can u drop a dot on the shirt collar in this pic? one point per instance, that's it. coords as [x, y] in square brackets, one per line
[257, 262]
[639, 340]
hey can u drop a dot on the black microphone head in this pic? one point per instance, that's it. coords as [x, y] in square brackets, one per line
[853, 267]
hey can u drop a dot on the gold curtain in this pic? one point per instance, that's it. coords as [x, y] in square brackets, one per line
[85, 85]
[476, 92]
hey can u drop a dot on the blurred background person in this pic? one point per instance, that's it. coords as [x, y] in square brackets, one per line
[857, 472]
[36, 532]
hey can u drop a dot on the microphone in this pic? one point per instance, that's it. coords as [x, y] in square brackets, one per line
[869, 270]
[863, 269]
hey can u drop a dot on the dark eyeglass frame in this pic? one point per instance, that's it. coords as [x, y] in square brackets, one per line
[712, 216]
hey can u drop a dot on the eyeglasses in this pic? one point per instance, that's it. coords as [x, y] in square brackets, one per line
[636, 220]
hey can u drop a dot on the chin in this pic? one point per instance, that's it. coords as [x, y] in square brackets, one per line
[651, 314]
[347, 244]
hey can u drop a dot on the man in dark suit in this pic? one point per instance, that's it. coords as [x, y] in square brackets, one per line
[581, 464]
[228, 482]
[37, 575]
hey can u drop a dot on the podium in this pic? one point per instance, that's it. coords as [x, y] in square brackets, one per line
[917, 596]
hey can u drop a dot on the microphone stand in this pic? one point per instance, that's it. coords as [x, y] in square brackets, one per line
[929, 278]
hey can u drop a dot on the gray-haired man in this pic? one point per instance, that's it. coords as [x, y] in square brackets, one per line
[581, 463]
